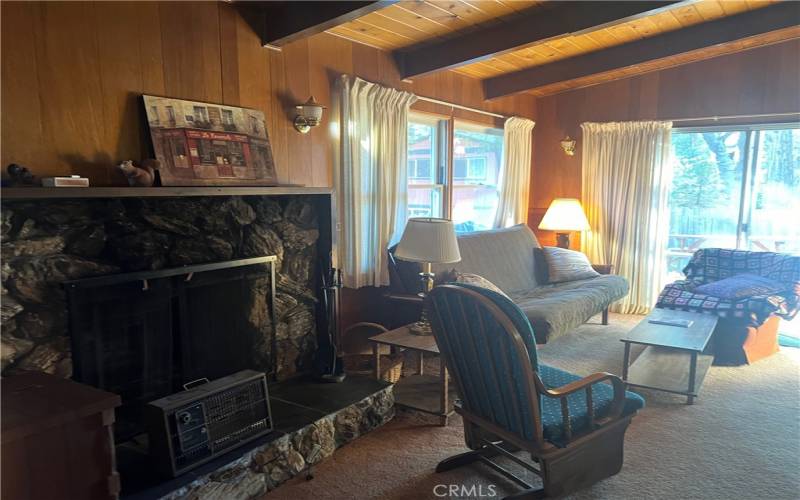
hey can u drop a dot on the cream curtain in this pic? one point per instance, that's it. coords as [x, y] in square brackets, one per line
[371, 181]
[626, 177]
[515, 174]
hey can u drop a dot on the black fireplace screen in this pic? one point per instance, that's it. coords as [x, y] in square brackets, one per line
[144, 335]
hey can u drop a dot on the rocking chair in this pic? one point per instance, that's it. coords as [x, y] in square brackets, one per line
[573, 427]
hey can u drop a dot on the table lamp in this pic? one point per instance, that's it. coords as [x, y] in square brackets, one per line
[428, 241]
[563, 216]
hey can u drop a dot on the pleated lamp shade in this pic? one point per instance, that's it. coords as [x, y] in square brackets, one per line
[564, 214]
[428, 240]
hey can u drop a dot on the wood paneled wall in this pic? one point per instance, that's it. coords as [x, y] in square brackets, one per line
[759, 81]
[72, 73]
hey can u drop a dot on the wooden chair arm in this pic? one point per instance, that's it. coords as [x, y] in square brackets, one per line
[404, 297]
[572, 387]
[586, 384]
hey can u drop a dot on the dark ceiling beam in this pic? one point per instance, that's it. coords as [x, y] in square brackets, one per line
[280, 23]
[554, 20]
[700, 36]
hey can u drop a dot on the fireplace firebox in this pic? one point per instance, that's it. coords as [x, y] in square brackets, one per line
[145, 335]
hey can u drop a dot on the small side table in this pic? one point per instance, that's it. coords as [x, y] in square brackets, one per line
[57, 439]
[426, 393]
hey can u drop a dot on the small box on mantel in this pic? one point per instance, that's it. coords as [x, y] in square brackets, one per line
[71, 181]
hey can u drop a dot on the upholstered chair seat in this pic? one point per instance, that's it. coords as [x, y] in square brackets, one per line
[602, 397]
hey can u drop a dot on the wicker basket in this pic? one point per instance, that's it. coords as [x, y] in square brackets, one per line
[357, 361]
[364, 364]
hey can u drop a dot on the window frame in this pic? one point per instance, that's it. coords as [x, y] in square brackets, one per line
[444, 162]
[439, 153]
[464, 183]
[202, 111]
[750, 162]
[227, 116]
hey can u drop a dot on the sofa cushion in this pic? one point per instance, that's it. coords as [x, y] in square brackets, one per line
[602, 396]
[555, 309]
[741, 286]
[567, 265]
[503, 256]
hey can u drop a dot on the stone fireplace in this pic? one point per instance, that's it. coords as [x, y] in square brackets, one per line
[47, 243]
[101, 278]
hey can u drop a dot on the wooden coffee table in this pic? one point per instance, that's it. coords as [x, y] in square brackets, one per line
[426, 393]
[674, 359]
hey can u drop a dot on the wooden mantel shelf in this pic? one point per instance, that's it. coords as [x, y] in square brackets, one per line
[42, 193]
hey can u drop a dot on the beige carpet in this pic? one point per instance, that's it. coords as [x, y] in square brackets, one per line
[741, 440]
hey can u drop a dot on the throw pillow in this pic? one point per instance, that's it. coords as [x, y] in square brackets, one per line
[567, 265]
[475, 280]
[741, 286]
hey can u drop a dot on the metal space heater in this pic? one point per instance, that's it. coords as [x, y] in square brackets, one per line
[192, 427]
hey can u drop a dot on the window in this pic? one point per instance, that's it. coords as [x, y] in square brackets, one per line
[471, 199]
[419, 169]
[734, 187]
[154, 114]
[425, 174]
[227, 117]
[206, 152]
[254, 127]
[477, 153]
[200, 114]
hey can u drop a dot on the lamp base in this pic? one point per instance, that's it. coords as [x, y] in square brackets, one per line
[562, 240]
[423, 326]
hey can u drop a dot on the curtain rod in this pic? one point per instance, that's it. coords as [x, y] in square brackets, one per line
[466, 108]
[437, 101]
[731, 117]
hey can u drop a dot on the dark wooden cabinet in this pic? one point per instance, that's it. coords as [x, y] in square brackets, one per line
[57, 440]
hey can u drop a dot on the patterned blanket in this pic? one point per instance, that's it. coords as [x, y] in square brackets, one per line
[713, 264]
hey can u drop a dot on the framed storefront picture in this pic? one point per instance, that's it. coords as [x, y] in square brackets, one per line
[204, 144]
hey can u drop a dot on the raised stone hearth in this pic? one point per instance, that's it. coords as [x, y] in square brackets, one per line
[308, 416]
[45, 243]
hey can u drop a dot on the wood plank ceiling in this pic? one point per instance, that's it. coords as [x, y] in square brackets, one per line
[415, 23]
[411, 22]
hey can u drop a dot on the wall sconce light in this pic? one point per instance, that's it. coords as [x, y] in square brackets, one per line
[309, 114]
[568, 145]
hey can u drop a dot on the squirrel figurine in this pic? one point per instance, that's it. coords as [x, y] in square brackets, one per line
[140, 176]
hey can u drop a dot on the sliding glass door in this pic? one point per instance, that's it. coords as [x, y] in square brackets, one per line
[772, 219]
[734, 187]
